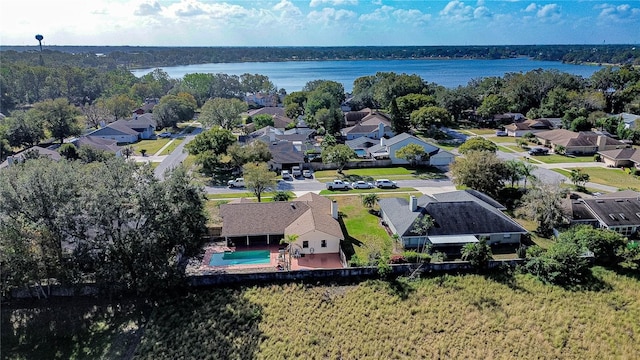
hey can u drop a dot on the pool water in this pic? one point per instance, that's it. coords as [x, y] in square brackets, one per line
[361, 152]
[246, 257]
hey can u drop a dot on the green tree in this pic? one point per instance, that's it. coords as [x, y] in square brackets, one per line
[290, 240]
[369, 200]
[59, 117]
[430, 117]
[543, 204]
[262, 120]
[579, 178]
[222, 112]
[477, 254]
[120, 106]
[338, 154]
[477, 143]
[333, 88]
[68, 151]
[492, 105]
[281, 196]
[216, 140]
[399, 122]
[412, 153]
[24, 128]
[561, 264]
[96, 113]
[294, 104]
[173, 109]
[259, 179]
[480, 170]
[604, 243]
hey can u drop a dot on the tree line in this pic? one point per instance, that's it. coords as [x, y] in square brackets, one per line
[109, 222]
[147, 57]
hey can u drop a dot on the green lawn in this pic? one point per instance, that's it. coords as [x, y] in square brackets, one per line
[503, 139]
[152, 146]
[480, 131]
[266, 196]
[612, 177]
[557, 159]
[169, 149]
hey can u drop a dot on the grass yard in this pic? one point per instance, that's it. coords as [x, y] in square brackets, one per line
[503, 139]
[605, 176]
[266, 196]
[172, 146]
[557, 159]
[479, 131]
[152, 146]
[444, 316]
[510, 148]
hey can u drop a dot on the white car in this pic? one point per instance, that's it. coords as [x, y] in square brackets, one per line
[386, 184]
[362, 185]
[165, 135]
[307, 173]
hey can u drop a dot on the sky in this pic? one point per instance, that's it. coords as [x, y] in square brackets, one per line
[318, 22]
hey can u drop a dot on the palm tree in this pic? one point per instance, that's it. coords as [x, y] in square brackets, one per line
[370, 200]
[289, 240]
[478, 254]
[527, 172]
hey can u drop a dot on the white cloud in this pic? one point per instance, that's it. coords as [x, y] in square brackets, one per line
[379, 14]
[531, 8]
[619, 13]
[548, 11]
[412, 16]
[146, 9]
[457, 11]
[330, 15]
[315, 3]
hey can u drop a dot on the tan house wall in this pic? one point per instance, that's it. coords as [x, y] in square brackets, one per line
[315, 241]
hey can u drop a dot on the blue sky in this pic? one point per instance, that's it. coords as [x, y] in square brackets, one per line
[318, 22]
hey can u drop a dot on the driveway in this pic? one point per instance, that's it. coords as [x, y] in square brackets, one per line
[176, 157]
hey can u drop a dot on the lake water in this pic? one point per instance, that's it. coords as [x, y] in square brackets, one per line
[293, 75]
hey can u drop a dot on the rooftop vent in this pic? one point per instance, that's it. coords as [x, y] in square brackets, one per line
[623, 217]
[600, 201]
[619, 200]
[638, 214]
[613, 217]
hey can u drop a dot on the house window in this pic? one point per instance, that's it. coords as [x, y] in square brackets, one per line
[305, 244]
[323, 243]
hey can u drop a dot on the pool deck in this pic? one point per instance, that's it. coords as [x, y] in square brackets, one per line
[314, 261]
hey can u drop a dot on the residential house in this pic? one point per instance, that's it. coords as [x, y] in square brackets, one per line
[517, 129]
[261, 99]
[35, 151]
[626, 157]
[629, 120]
[107, 145]
[618, 211]
[286, 154]
[128, 131]
[459, 218]
[387, 149]
[578, 143]
[353, 117]
[376, 125]
[312, 217]
[360, 145]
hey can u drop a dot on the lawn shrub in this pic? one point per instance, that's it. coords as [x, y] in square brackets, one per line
[561, 264]
[412, 256]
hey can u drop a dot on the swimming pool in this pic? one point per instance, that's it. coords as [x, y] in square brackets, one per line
[361, 152]
[242, 257]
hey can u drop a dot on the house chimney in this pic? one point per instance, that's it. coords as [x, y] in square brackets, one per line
[334, 209]
[381, 130]
[602, 143]
[413, 203]
[382, 141]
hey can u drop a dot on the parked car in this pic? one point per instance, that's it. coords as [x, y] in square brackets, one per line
[386, 184]
[286, 174]
[307, 173]
[296, 172]
[239, 182]
[501, 133]
[538, 151]
[165, 135]
[338, 185]
[362, 185]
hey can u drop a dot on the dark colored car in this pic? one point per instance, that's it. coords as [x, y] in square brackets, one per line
[538, 151]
